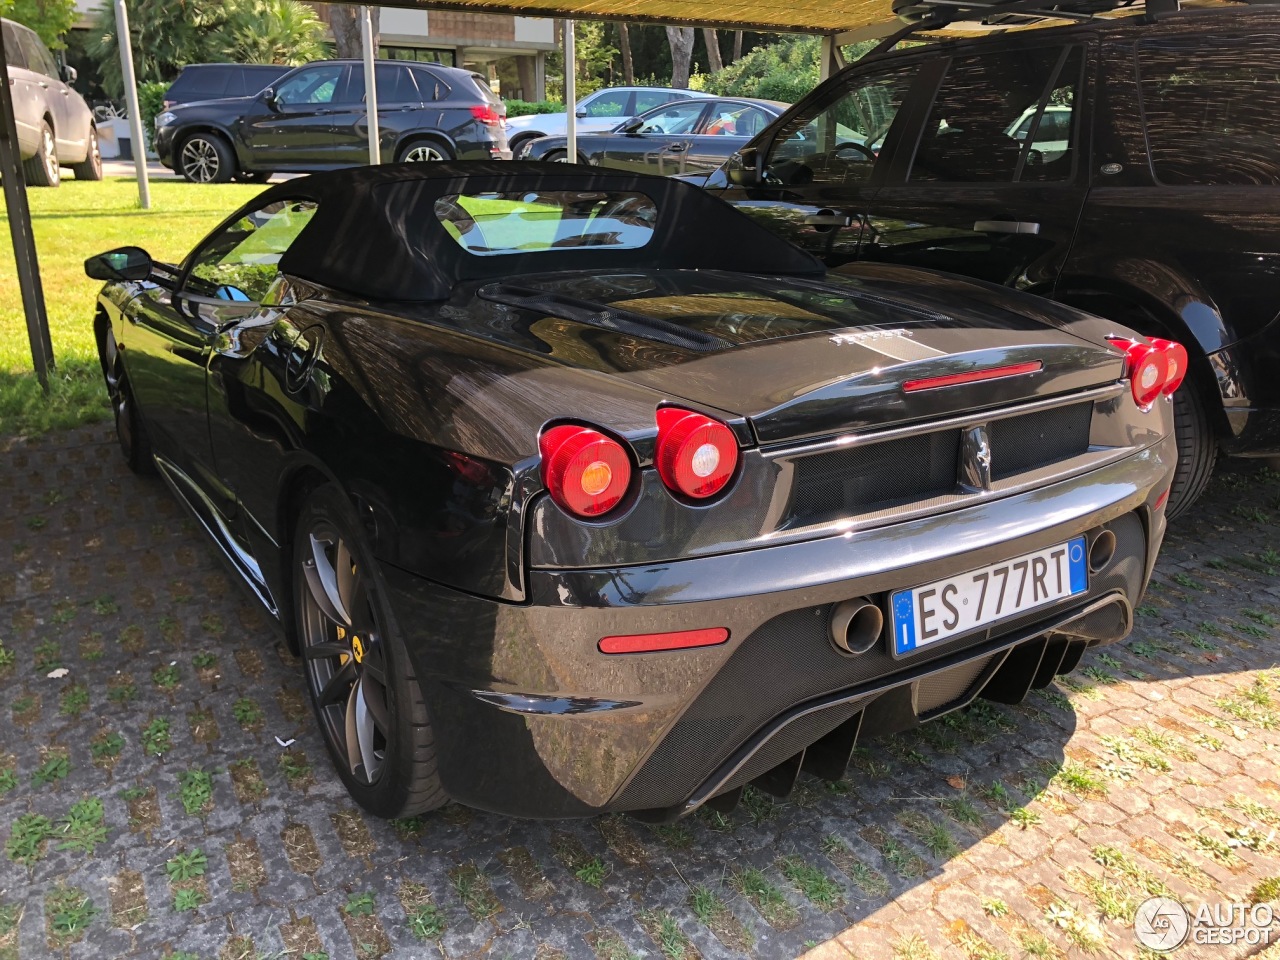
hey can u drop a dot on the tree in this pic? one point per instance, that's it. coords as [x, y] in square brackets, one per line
[737, 46]
[624, 45]
[167, 35]
[715, 63]
[51, 19]
[344, 18]
[273, 31]
[680, 39]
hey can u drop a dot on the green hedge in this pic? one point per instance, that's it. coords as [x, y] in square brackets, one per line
[523, 108]
[151, 103]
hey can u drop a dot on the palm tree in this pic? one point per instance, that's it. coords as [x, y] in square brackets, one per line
[274, 31]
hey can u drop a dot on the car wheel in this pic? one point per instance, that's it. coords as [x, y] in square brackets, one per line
[425, 151]
[91, 167]
[518, 143]
[42, 170]
[1197, 447]
[131, 432]
[206, 158]
[557, 156]
[363, 689]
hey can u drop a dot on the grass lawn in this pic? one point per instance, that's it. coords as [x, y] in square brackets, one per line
[72, 222]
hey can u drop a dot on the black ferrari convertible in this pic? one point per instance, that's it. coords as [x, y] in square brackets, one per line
[577, 490]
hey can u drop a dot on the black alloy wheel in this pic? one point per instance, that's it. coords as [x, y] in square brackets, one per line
[363, 690]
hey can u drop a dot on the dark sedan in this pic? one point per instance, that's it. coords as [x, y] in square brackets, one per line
[314, 118]
[690, 137]
[578, 490]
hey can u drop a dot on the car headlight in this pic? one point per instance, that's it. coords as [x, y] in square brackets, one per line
[164, 119]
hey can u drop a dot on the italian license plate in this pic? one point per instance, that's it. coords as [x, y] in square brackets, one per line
[940, 610]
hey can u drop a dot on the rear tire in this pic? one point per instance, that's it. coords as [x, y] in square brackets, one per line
[1197, 447]
[131, 432]
[205, 158]
[42, 170]
[556, 156]
[362, 684]
[91, 167]
[516, 145]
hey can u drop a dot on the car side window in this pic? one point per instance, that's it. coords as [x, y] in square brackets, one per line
[1211, 112]
[317, 85]
[609, 103]
[38, 58]
[395, 85]
[239, 263]
[12, 48]
[648, 99]
[837, 143]
[735, 120]
[680, 117]
[1002, 117]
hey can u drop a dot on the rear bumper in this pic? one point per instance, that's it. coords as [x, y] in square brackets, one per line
[530, 719]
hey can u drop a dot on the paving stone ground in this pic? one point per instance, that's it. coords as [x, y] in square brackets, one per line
[148, 810]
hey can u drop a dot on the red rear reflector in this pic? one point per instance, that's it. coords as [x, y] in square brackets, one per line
[974, 376]
[1175, 355]
[653, 642]
[1161, 500]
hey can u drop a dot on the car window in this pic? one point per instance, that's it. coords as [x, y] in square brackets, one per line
[486, 92]
[679, 117]
[12, 48]
[735, 120]
[609, 103]
[203, 84]
[38, 58]
[972, 132]
[496, 223]
[316, 85]
[1211, 112]
[838, 141]
[239, 263]
[648, 99]
[395, 85]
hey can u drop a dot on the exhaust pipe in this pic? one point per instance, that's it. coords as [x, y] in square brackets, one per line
[856, 626]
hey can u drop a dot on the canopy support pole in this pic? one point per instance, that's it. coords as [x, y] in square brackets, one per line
[370, 87]
[830, 58]
[24, 241]
[125, 42]
[570, 93]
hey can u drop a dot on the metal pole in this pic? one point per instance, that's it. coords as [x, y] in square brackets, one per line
[370, 87]
[570, 93]
[24, 241]
[131, 100]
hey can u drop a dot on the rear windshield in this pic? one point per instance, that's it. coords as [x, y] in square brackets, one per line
[483, 88]
[492, 224]
[204, 82]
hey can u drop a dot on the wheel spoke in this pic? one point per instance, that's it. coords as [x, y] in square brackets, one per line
[322, 651]
[364, 735]
[374, 695]
[346, 577]
[373, 665]
[336, 687]
[322, 581]
[352, 732]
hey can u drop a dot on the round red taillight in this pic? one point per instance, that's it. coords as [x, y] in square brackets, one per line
[1146, 367]
[1176, 362]
[586, 472]
[695, 455]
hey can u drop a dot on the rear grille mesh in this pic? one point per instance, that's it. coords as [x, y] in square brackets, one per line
[868, 478]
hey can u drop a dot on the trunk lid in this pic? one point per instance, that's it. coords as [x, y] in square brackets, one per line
[799, 359]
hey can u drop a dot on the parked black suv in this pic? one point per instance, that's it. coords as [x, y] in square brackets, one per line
[1145, 188]
[215, 81]
[314, 118]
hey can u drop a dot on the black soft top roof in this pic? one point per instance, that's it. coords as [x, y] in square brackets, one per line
[375, 233]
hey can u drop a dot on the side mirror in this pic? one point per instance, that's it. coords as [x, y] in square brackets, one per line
[746, 167]
[69, 74]
[632, 126]
[122, 263]
[580, 114]
[268, 96]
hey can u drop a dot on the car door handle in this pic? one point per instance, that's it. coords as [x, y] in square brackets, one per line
[1006, 226]
[677, 147]
[827, 220]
